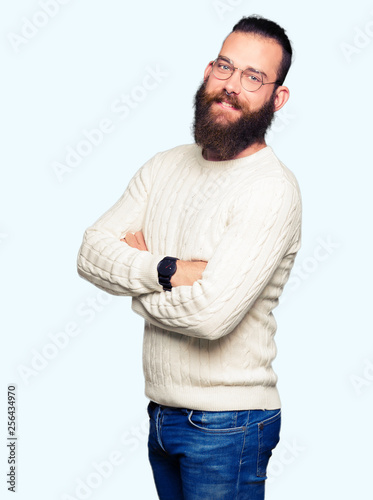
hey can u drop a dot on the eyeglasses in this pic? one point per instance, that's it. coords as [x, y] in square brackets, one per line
[251, 79]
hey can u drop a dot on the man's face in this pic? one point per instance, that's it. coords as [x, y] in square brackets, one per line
[229, 124]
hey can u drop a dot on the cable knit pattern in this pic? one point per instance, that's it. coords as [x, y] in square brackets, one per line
[209, 346]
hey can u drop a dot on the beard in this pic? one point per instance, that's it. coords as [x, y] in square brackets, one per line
[226, 138]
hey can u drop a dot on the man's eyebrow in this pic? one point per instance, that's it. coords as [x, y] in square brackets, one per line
[220, 56]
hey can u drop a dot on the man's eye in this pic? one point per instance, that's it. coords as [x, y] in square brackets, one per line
[252, 77]
[224, 67]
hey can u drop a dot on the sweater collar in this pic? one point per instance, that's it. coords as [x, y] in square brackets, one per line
[232, 164]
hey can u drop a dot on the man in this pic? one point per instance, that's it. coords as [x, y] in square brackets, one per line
[204, 239]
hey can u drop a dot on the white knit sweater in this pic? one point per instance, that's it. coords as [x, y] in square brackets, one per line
[208, 346]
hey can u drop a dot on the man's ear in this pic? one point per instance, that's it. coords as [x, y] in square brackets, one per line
[282, 97]
[208, 70]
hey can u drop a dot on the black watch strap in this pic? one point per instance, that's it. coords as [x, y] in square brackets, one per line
[166, 269]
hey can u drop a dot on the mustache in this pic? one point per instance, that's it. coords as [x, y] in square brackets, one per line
[222, 96]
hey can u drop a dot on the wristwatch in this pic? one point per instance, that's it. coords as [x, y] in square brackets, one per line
[166, 269]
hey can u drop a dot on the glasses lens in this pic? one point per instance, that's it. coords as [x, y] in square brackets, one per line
[251, 80]
[222, 69]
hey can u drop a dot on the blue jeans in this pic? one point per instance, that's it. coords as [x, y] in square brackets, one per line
[202, 455]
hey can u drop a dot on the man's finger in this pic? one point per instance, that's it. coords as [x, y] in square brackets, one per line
[135, 240]
[130, 240]
[141, 240]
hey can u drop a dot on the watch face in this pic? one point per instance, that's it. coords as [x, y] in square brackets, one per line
[167, 267]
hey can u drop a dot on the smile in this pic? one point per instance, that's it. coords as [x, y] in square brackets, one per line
[226, 105]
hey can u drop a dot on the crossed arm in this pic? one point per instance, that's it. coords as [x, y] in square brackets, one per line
[187, 272]
[114, 257]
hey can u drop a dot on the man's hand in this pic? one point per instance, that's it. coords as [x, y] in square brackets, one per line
[187, 272]
[135, 241]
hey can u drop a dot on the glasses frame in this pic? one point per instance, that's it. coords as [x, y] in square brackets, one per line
[231, 63]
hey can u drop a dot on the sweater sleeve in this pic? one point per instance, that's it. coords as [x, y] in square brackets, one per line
[111, 264]
[261, 232]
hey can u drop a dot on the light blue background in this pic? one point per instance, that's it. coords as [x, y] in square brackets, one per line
[87, 402]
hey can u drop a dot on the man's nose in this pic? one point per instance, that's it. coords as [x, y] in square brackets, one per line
[233, 84]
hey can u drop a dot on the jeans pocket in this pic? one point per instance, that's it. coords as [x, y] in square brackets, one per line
[222, 422]
[268, 437]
